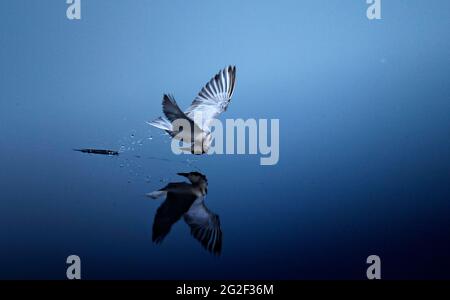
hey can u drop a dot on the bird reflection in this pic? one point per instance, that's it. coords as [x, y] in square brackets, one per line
[186, 200]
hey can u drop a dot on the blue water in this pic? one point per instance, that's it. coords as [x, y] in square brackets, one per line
[364, 109]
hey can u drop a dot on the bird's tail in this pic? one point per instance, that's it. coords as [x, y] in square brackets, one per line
[161, 123]
[156, 194]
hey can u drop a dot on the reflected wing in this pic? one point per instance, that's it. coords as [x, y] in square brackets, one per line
[214, 98]
[205, 227]
[172, 209]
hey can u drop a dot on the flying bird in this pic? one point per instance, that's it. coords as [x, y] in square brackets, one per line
[186, 200]
[212, 100]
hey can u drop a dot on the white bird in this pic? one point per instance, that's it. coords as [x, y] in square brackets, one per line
[212, 100]
[187, 200]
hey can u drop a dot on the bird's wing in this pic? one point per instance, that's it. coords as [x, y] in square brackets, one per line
[214, 97]
[173, 112]
[170, 211]
[205, 227]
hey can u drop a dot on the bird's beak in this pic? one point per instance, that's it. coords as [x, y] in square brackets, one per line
[183, 174]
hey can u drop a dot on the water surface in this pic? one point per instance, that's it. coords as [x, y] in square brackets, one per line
[364, 138]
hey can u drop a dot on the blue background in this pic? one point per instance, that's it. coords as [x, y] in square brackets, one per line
[364, 109]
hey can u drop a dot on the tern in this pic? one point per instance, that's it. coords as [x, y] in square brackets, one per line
[187, 200]
[212, 100]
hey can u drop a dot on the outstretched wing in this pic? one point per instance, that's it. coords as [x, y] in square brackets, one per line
[171, 210]
[205, 227]
[173, 112]
[214, 97]
[171, 109]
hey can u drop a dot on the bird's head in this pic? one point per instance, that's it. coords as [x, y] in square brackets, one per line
[195, 177]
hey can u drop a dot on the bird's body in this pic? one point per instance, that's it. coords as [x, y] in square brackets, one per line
[186, 200]
[212, 100]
